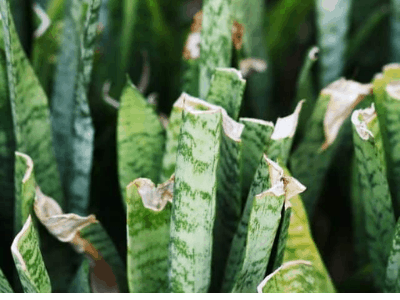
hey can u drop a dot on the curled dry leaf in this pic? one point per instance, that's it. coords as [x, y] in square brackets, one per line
[66, 227]
[249, 65]
[237, 35]
[345, 95]
[286, 127]
[155, 198]
[360, 118]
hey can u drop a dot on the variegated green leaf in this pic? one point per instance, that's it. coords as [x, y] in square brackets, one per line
[140, 140]
[305, 88]
[255, 139]
[392, 282]
[311, 160]
[28, 260]
[29, 109]
[294, 277]
[226, 90]
[193, 209]
[216, 41]
[379, 215]
[72, 122]
[388, 107]
[229, 198]
[282, 235]
[254, 238]
[4, 285]
[333, 25]
[300, 244]
[148, 222]
[280, 144]
[81, 282]
[24, 190]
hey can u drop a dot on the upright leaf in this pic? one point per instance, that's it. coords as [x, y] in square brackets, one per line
[395, 30]
[140, 138]
[28, 260]
[333, 25]
[24, 190]
[148, 222]
[4, 285]
[311, 160]
[226, 90]
[392, 281]
[216, 42]
[81, 282]
[380, 221]
[294, 277]
[29, 110]
[72, 122]
[193, 210]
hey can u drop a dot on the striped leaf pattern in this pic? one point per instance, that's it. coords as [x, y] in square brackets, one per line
[28, 260]
[226, 90]
[4, 285]
[216, 41]
[148, 238]
[193, 210]
[294, 277]
[283, 235]
[24, 190]
[392, 282]
[29, 110]
[140, 138]
[378, 206]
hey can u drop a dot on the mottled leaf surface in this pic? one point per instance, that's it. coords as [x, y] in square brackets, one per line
[392, 282]
[4, 285]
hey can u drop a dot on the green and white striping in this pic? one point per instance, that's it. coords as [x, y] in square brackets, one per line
[193, 209]
[255, 139]
[148, 224]
[29, 109]
[25, 191]
[229, 199]
[378, 205]
[226, 90]
[300, 244]
[333, 19]
[216, 41]
[95, 234]
[392, 281]
[140, 138]
[310, 161]
[305, 88]
[4, 285]
[395, 30]
[294, 277]
[28, 260]
[281, 140]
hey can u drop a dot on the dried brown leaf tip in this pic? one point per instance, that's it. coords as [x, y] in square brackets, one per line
[345, 95]
[192, 45]
[66, 227]
[237, 35]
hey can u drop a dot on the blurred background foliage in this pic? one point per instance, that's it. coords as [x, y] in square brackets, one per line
[146, 38]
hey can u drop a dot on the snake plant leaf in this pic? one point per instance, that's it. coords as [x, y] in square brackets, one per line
[311, 160]
[4, 285]
[305, 88]
[72, 123]
[29, 110]
[81, 282]
[387, 108]
[193, 209]
[216, 41]
[140, 138]
[254, 238]
[255, 138]
[378, 204]
[392, 282]
[190, 76]
[332, 25]
[280, 144]
[395, 30]
[148, 222]
[297, 276]
[300, 244]
[28, 260]
[226, 90]
[229, 197]
[25, 190]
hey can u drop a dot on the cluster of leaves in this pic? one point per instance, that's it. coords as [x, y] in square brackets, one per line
[227, 216]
